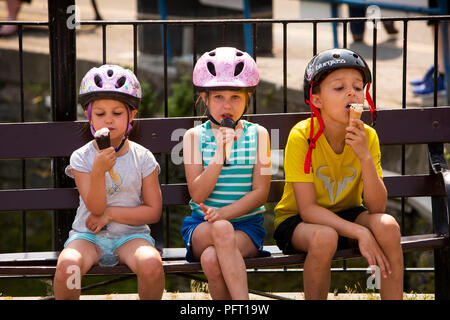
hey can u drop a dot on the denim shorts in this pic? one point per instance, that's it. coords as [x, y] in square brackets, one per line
[284, 231]
[253, 227]
[117, 242]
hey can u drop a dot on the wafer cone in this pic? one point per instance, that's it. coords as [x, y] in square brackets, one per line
[355, 112]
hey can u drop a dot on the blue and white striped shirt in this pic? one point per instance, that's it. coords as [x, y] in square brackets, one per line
[235, 179]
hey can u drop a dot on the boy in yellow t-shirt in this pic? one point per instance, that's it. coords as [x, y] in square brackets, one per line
[336, 193]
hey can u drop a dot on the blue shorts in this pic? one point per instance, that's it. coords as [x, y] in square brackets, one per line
[117, 242]
[253, 227]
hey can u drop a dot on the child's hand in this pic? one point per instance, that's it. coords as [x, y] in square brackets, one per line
[227, 135]
[96, 223]
[356, 138]
[105, 159]
[211, 214]
[370, 250]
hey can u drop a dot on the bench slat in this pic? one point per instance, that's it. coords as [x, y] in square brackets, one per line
[43, 263]
[178, 194]
[24, 140]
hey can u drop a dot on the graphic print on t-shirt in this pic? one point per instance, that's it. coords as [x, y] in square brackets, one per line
[328, 184]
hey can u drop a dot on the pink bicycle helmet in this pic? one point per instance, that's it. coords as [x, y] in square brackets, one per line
[225, 68]
[110, 82]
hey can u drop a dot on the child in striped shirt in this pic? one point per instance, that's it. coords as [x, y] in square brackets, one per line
[228, 172]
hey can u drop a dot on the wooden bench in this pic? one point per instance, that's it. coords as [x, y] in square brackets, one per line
[404, 126]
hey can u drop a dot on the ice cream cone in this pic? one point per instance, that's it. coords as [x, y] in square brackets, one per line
[228, 123]
[355, 112]
[102, 138]
[103, 141]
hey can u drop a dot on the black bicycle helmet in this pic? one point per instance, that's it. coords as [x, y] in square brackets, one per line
[330, 60]
[317, 69]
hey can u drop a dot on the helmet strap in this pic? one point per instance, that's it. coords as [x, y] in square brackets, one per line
[373, 111]
[312, 138]
[121, 144]
[89, 116]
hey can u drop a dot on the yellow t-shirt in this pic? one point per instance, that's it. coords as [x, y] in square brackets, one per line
[337, 178]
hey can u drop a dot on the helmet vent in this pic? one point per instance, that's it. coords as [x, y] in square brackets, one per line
[120, 82]
[355, 55]
[211, 68]
[212, 54]
[336, 55]
[98, 81]
[110, 73]
[239, 68]
[239, 53]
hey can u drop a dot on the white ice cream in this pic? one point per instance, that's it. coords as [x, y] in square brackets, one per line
[101, 132]
[358, 107]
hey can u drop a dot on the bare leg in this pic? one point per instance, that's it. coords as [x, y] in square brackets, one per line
[79, 255]
[320, 243]
[387, 233]
[211, 267]
[221, 250]
[145, 261]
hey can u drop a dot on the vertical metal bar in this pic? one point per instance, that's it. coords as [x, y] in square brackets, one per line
[344, 34]
[446, 50]
[224, 34]
[63, 100]
[284, 67]
[194, 44]
[166, 114]
[254, 57]
[104, 42]
[436, 63]
[254, 35]
[405, 56]
[403, 157]
[135, 66]
[22, 119]
[22, 102]
[374, 62]
[163, 15]
[166, 104]
[247, 29]
[334, 14]
[194, 61]
[314, 38]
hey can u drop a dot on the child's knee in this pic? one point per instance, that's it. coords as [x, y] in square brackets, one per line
[385, 228]
[223, 233]
[150, 265]
[210, 263]
[68, 265]
[323, 241]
